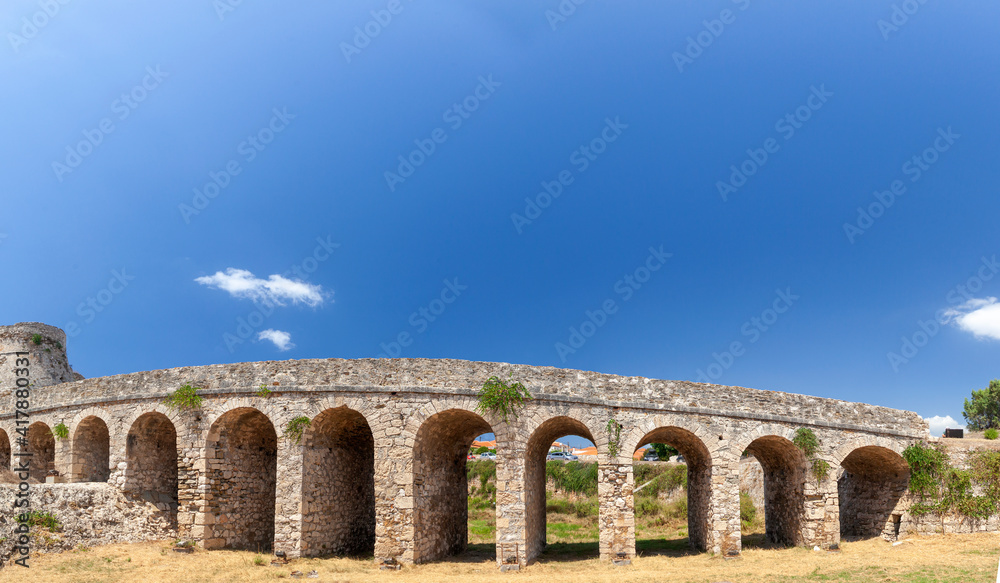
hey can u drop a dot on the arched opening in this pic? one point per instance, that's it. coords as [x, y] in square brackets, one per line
[91, 451]
[4, 450]
[42, 445]
[151, 457]
[578, 496]
[481, 472]
[242, 465]
[871, 484]
[695, 456]
[338, 485]
[440, 483]
[784, 474]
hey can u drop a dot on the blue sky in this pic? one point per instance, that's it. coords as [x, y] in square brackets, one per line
[357, 179]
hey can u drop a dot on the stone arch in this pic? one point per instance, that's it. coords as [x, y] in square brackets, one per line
[873, 478]
[534, 476]
[128, 421]
[91, 450]
[241, 452]
[42, 445]
[440, 485]
[5, 451]
[338, 484]
[785, 472]
[151, 460]
[698, 458]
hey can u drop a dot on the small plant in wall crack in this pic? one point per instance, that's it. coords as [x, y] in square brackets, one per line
[263, 390]
[60, 431]
[807, 441]
[184, 398]
[614, 437]
[503, 399]
[295, 428]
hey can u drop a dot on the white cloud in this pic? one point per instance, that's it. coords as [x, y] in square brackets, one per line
[979, 316]
[276, 289]
[939, 424]
[283, 340]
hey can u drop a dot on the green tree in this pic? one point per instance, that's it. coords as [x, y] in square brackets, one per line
[664, 451]
[983, 411]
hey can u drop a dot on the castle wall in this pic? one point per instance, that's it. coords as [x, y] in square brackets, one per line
[381, 467]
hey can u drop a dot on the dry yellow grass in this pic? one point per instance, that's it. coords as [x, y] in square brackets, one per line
[945, 559]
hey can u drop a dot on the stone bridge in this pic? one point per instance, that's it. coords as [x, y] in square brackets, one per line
[381, 467]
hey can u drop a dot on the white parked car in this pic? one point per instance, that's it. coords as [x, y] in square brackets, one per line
[561, 456]
[489, 455]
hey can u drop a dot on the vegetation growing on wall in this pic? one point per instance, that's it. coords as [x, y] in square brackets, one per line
[296, 427]
[46, 520]
[503, 399]
[37, 339]
[940, 488]
[263, 390]
[60, 431]
[184, 398]
[614, 437]
[807, 441]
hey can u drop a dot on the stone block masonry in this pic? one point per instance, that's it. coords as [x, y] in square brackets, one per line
[380, 469]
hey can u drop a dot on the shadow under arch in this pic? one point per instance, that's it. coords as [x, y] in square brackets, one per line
[440, 483]
[338, 485]
[785, 470]
[242, 463]
[42, 445]
[874, 478]
[91, 451]
[699, 478]
[535, 478]
[151, 460]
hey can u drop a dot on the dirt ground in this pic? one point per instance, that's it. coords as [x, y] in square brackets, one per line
[944, 559]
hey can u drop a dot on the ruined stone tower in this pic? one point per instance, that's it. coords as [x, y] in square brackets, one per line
[46, 347]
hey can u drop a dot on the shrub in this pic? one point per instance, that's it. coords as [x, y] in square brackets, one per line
[576, 477]
[186, 397]
[46, 520]
[991, 433]
[748, 512]
[664, 479]
[807, 441]
[60, 431]
[259, 560]
[501, 398]
[296, 427]
[645, 506]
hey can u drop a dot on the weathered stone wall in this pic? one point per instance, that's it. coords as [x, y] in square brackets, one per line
[43, 449]
[241, 475]
[91, 451]
[870, 487]
[752, 481]
[91, 514]
[151, 461]
[454, 377]
[400, 487]
[338, 500]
